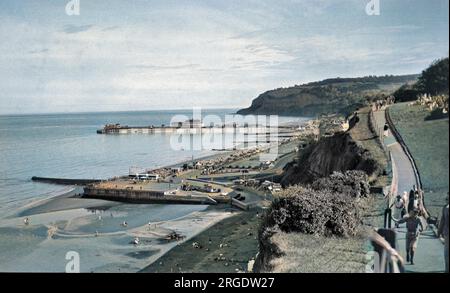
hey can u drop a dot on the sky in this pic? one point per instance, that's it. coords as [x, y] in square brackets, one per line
[164, 54]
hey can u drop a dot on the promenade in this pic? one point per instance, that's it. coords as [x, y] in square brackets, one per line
[429, 256]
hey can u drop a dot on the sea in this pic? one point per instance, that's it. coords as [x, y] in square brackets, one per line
[67, 146]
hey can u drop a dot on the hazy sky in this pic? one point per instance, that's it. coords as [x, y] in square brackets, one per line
[163, 54]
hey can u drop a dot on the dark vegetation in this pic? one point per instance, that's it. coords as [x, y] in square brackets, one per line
[329, 206]
[433, 80]
[336, 153]
[351, 183]
[327, 188]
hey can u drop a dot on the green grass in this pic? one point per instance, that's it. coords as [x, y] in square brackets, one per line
[362, 134]
[428, 142]
[306, 253]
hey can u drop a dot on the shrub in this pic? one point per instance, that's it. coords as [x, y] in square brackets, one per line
[310, 211]
[352, 183]
[329, 206]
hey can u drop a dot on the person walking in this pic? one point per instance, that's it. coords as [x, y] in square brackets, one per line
[443, 231]
[421, 205]
[414, 227]
[400, 206]
[411, 199]
[386, 130]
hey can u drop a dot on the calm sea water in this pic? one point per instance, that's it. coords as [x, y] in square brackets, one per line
[67, 145]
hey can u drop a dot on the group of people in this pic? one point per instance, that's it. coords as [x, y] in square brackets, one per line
[412, 204]
[409, 202]
[413, 213]
[379, 104]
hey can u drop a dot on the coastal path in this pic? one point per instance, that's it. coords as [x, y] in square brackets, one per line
[429, 255]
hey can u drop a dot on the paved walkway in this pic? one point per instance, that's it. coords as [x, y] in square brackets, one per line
[430, 251]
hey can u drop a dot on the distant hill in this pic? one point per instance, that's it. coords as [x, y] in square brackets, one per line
[336, 95]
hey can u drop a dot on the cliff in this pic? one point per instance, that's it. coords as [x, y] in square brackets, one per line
[336, 153]
[319, 223]
[338, 95]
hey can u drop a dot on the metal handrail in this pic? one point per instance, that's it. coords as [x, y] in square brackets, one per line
[405, 148]
[378, 131]
[390, 260]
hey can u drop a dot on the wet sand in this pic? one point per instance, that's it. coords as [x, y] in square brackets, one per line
[226, 247]
[103, 243]
[93, 228]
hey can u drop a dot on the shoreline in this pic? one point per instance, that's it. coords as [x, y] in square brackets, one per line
[67, 217]
[225, 246]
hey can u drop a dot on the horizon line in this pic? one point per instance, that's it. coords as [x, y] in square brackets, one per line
[116, 111]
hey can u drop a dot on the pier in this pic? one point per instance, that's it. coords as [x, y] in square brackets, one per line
[283, 131]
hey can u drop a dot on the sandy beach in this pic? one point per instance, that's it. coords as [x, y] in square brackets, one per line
[227, 246]
[103, 232]
[94, 228]
[99, 236]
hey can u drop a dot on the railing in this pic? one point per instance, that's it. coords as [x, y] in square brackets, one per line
[376, 129]
[389, 260]
[414, 166]
[402, 143]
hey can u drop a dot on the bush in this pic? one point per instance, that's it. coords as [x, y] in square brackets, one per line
[310, 211]
[351, 183]
[406, 93]
[329, 206]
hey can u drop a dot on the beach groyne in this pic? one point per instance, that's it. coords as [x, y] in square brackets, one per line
[65, 181]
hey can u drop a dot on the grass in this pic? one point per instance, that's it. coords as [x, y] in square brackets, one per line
[305, 253]
[318, 254]
[362, 134]
[427, 139]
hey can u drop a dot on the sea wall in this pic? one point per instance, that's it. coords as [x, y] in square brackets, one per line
[145, 196]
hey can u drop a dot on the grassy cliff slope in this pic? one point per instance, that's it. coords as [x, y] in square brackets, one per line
[338, 95]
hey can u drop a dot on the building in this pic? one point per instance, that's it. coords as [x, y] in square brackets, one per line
[192, 123]
[145, 176]
[176, 170]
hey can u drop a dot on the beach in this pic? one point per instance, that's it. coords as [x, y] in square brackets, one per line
[226, 247]
[94, 228]
[37, 229]
[98, 234]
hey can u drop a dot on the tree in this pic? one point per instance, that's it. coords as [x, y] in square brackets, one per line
[406, 93]
[434, 79]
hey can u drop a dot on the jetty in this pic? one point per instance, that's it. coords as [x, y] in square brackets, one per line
[65, 181]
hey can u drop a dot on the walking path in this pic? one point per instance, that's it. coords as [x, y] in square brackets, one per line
[429, 256]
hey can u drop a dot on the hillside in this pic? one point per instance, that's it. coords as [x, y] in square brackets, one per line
[336, 153]
[338, 95]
